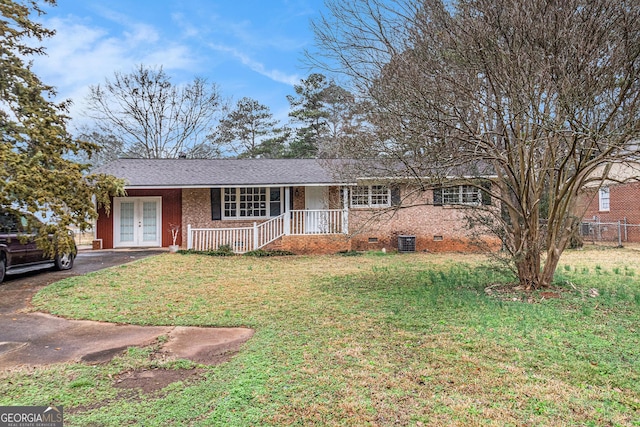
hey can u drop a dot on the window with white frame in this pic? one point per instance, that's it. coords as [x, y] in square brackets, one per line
[461, 195]
[603, 199]
[247, 202]
[370, 196]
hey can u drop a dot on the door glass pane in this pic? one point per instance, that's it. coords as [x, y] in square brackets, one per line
[274, 202]
[126, 221]
[149, 222]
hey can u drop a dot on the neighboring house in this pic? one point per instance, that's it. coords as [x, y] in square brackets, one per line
[291, 204]
[617, 200]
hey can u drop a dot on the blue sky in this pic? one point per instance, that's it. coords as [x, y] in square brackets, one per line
[249, 48]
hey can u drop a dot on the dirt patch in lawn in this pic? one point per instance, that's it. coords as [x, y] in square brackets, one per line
[150, 381]
[133, 384]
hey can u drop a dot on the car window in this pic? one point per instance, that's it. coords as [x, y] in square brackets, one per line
[8, 223]
[17, 222]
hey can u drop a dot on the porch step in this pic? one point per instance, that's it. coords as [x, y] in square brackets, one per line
[275, 245]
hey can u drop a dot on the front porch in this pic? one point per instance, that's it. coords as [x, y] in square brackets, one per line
[307, 222]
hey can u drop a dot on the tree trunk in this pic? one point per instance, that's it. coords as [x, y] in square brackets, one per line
[550, 265]
[532, 272]
[528, 267]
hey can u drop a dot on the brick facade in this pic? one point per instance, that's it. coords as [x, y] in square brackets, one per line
[437, 228]
[313, 244]
[196, 205]
[624, 206]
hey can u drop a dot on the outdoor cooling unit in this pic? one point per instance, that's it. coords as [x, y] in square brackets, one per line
[406, 243]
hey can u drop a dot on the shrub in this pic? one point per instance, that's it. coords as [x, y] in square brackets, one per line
[220, 252]
[266, 253]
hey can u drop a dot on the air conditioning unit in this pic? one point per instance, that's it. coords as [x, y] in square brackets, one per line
[406, 243]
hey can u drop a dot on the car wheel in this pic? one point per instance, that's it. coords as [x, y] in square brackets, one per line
[64, 261]
[3, 267]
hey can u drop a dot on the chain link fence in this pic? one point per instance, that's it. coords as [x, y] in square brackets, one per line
[83, 238]
[610, 233]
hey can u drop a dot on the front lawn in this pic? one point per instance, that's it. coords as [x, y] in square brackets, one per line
[412, 339]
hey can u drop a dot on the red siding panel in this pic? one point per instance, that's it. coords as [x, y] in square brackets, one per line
[171, 214]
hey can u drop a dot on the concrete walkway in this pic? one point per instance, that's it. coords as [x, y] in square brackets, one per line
[34, 339]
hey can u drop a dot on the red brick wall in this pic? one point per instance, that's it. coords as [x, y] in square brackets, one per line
[196, 204]
[624, 204]
[437, 228]
[314, 244]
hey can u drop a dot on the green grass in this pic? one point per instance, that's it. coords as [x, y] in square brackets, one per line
[367, 340]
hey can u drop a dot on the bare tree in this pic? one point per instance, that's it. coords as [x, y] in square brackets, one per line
[152, 117]
[108, 146]
[542, 95]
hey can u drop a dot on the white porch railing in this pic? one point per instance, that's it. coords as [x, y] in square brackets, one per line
[240, 240]
[245, 239]
[318, 221]
[268, 231]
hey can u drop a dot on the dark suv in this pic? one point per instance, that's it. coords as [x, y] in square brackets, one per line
[18, 250]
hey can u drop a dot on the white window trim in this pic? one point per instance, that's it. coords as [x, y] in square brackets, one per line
[370, 203]
[237, 202]
[460, 191]
[604, 199]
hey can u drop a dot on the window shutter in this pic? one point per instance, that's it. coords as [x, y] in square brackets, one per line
[437, 196]
[216, 204]
[395, 195]
[485, 193]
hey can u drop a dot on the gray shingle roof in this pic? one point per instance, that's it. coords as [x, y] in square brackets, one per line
[174, 173]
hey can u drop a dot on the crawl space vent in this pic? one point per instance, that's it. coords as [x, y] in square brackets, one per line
[406, 243]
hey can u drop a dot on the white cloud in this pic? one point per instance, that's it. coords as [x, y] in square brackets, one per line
[188, 29]
[137, 31]
[173, 57]
[141, 33]
[258, 67]
[79, 55]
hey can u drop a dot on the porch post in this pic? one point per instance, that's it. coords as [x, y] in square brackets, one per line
[189, 238]
[255, 236]
[345, 210]
[287, 212]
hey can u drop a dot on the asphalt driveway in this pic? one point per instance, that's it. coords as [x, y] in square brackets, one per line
[30, 339]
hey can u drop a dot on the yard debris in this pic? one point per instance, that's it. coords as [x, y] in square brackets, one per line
[549, 295]
[593, 292]
[509, 292]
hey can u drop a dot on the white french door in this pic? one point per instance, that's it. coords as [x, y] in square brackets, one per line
[137, 221]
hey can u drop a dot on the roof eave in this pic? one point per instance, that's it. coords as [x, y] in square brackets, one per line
[196, 186]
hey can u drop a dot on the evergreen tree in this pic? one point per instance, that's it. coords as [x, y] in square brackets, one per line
[36, 174]
[323, 116]
[248, 131]
[307, 110]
